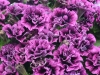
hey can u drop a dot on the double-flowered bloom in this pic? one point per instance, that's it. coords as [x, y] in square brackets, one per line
[7, 70]
[7, 57]
[3, 4]
[16, 8]
[61, 18]
[45, 41]
[93, 61]
[79, 39]
[68, 57]
[15, 31]
[38, 48]
[34, 18]
[51, 67]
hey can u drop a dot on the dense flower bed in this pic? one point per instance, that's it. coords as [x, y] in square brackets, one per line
[49, 37]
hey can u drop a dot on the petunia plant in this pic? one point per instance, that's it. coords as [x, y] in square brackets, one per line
[49, 37]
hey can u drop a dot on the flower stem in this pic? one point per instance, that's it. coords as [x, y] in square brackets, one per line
[20, 68]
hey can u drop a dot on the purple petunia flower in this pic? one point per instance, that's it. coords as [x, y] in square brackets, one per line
[69, 32]
[93, 61]
[61, 18]
[8, 60]
[38, 48]
[48, 35]
[7, 70]
[1, 68]
[80, 71]
[98, 15]
[16, 8]
[82, 4]
[2, 18]
[87, 19]
[93, 1]
[20, 54]
[3, 4]
[34, 18]
[15, 31]
[68, 57]
[47, 10]
[72, 33]
[79, 39]
[86, 43]
[48, 38]
[7, 53]
[7, 29]
[51, 67]
[19, 32]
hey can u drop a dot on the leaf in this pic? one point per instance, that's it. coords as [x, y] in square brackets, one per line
[28, 68]
[24, 1]
[51, 3]
[29, 74]
[3, 40]
[96, 28]
[97, 43]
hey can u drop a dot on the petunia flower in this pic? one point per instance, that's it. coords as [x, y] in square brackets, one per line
[80, 71]
[34, 18]
[16, 8]
[7, 70]
[50, 68]
[3, 4]
[38, 48]
[68, 57]
[7, 53]
[93, 61]
[61, 18]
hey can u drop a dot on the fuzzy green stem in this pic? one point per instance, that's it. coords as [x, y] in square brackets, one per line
[20, 68]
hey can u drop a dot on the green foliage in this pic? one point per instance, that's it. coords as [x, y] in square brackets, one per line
[97, 43]
[29, 74]
[3, 40]
[51, 3]
[28, 68]
[96, 30]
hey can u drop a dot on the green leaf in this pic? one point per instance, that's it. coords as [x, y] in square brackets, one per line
[24, 1]
[28, 68]
[29, 74]
[97, 43]
[3, 41]
[96, 28]
[51, 3]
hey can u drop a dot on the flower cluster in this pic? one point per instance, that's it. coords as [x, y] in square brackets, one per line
[45, 41]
